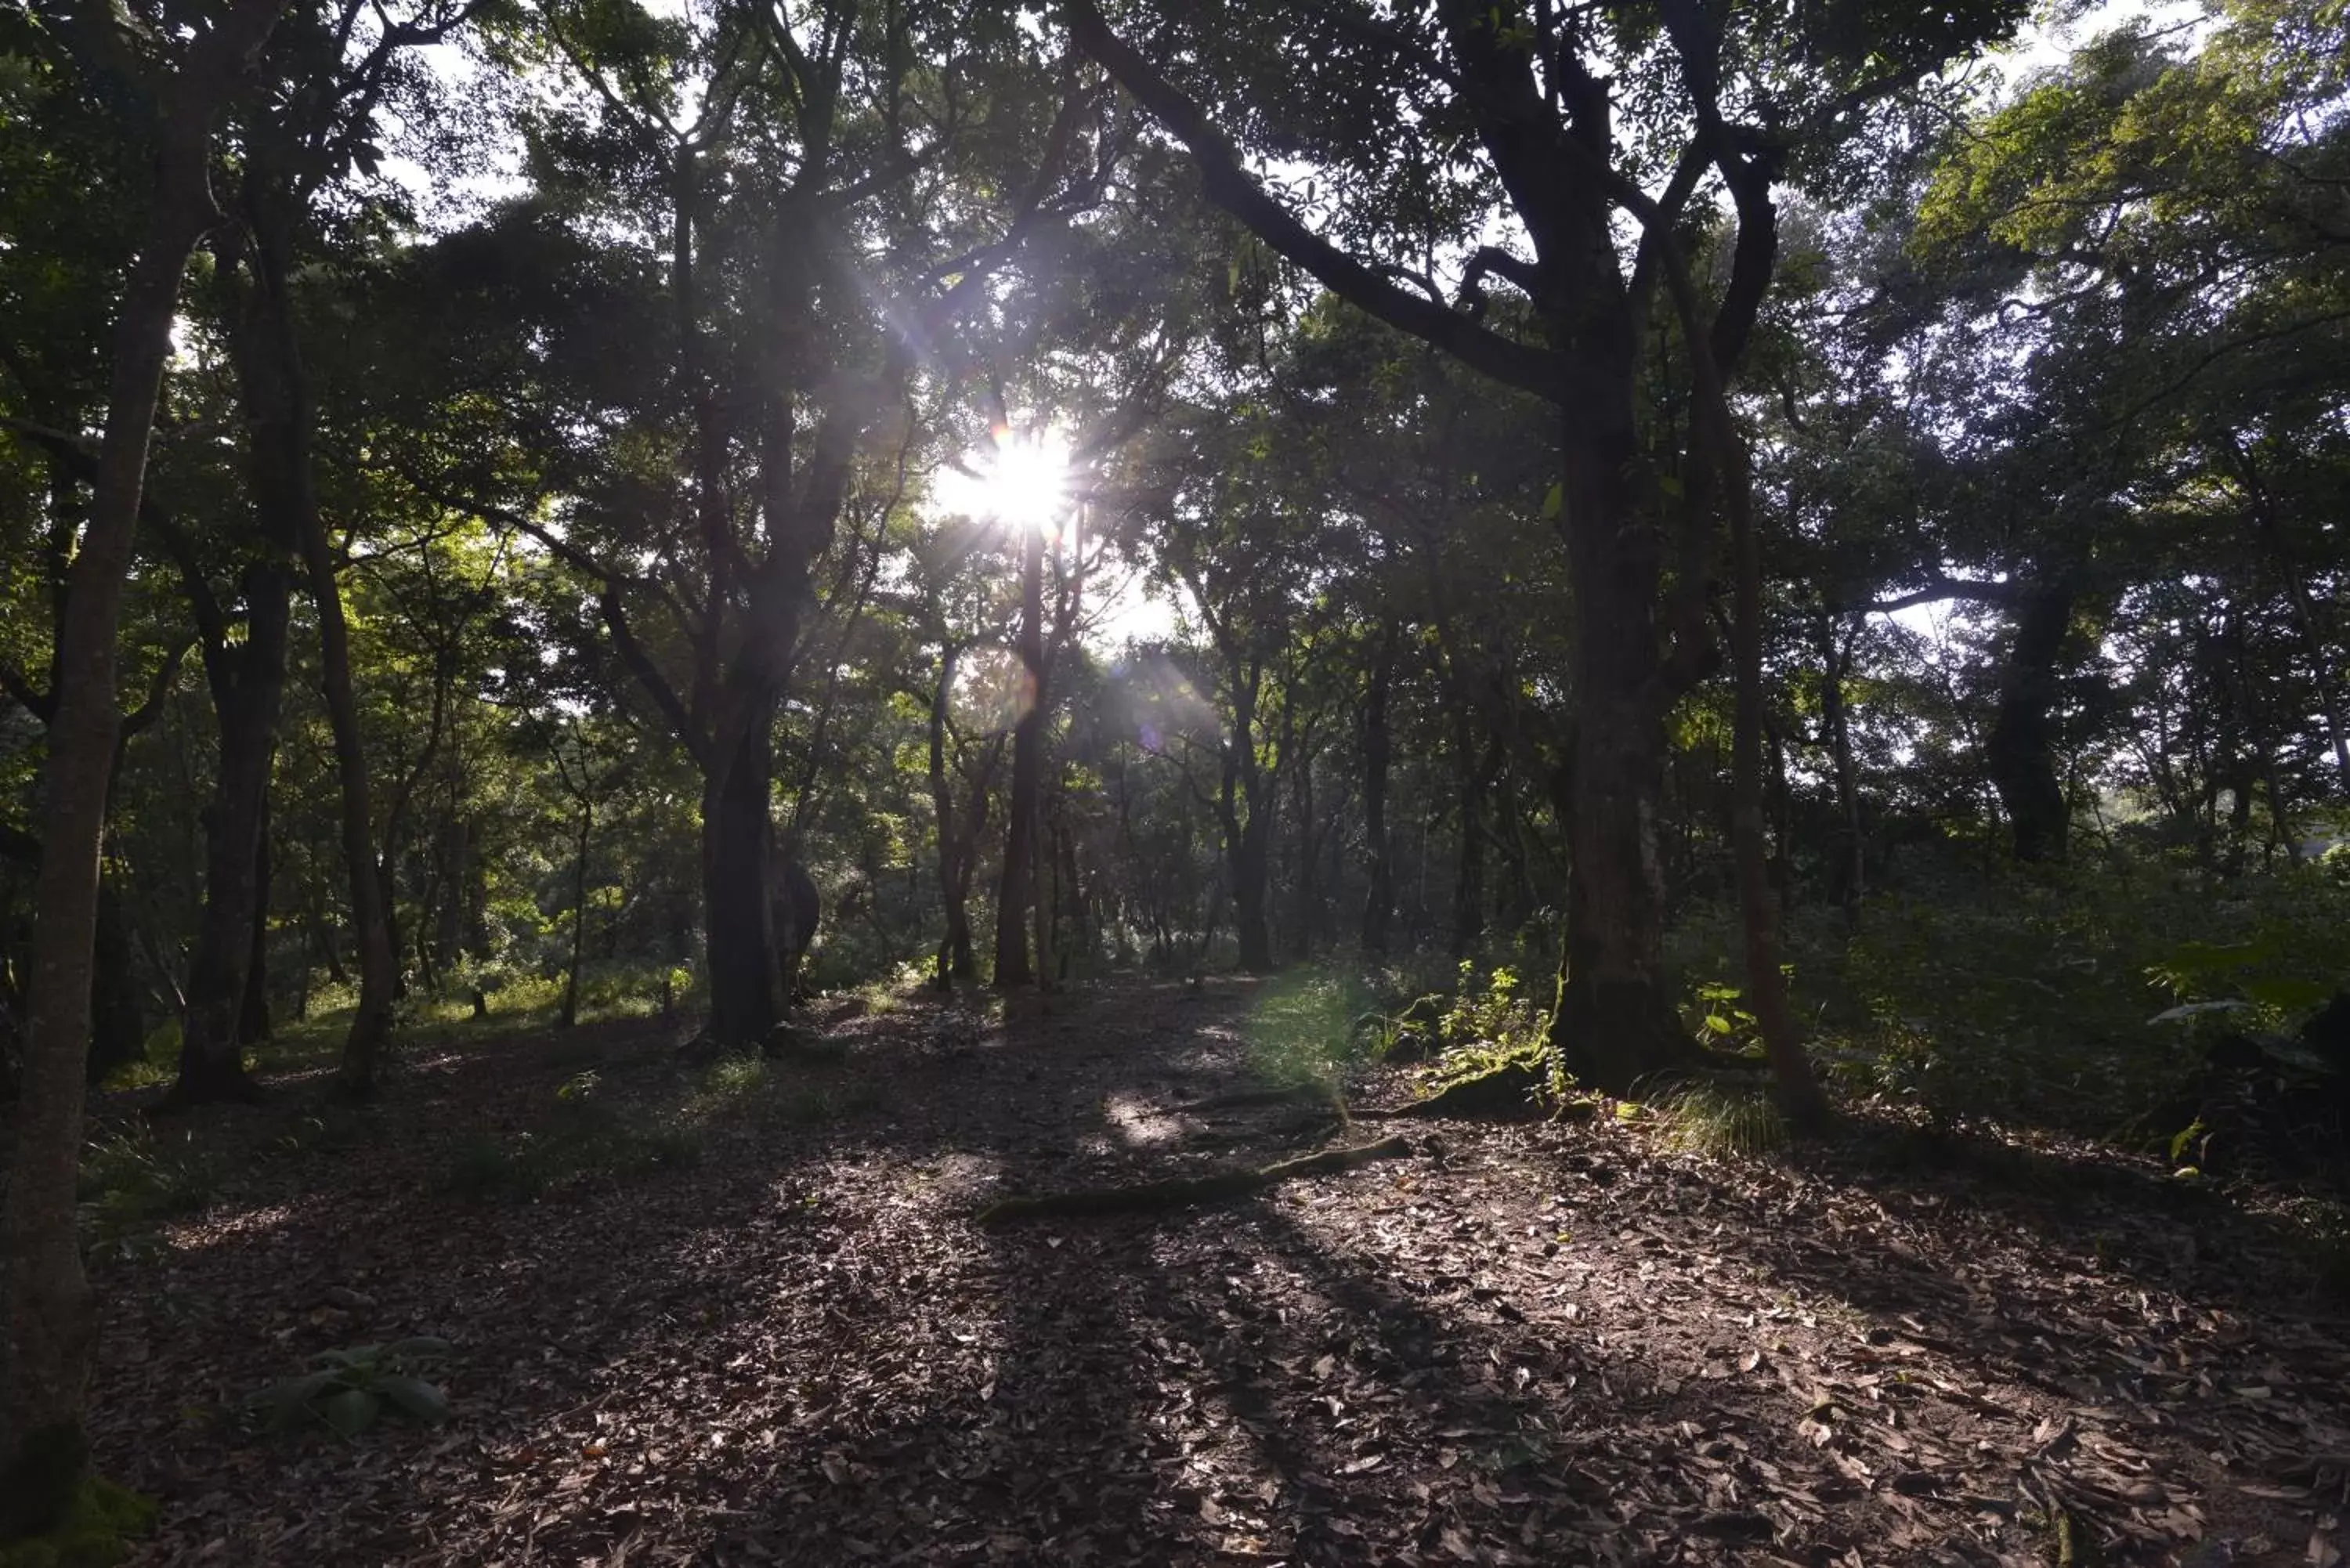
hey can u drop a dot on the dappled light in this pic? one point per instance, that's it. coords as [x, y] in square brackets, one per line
[1351, 785]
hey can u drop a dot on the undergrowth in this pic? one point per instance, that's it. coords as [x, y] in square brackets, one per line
[136, 1179]
[1723, 1117]
[97, 1530]
[583, 1139]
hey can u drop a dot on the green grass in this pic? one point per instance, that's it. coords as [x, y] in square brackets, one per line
[582, 1140]
[134, 1181]
[517, 1003]
[1724, 1118]
[1300, 1028]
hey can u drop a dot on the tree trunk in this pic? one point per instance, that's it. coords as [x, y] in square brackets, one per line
[370, 1030]
[253, 1015]
[1309, 887]
[118, 1028]
[1851, 879]
[455, 856]
[330, 952]
[2305, 617]
[579, 910]
[1478, 774]
[1379, 752]
[737, 847]
[1018, 885]
[247, 681]
[1795, 1085]
[1044, 881]
[2020, 750]
[1251, 863]
[1614, 1022]
[47, 1327]
[955, 944]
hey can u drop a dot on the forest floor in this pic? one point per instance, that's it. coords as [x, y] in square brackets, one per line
[1532, 1343]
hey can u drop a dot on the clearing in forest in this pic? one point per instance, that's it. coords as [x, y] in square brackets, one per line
[742, 1313]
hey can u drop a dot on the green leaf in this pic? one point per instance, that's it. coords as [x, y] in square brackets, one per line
[351, 1412]
[415, 1397]
[1554, 501]
[295, 1394]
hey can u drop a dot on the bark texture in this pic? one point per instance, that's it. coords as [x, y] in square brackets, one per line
[47, 1324]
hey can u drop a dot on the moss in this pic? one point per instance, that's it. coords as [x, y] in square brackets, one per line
[95, 1532]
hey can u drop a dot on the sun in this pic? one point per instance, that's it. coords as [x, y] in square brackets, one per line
[1021, 482]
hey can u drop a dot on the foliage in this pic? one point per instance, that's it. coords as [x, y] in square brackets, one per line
[348, 1391]
[585, 1138]
[98, 1530]
[1300, 1028]
[1720, 1115]
[131, 1180]
[2057, 997]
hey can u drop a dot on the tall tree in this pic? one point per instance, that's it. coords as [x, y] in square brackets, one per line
[1545, 97]
[46, 1323]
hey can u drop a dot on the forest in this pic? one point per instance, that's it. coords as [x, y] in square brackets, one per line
[1174, 781]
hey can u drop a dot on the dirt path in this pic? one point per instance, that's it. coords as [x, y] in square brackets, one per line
[1540, 1345]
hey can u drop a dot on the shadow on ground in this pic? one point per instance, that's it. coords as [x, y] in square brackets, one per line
[1527, 1344]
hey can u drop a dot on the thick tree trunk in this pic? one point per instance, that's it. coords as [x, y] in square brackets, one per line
[737, 847]
[2020, 752]
[1378, 752]
[246, 682]
[47, 1327]
[1614, 1022]
[1018, 885]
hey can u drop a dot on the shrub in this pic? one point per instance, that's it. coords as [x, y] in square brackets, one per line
[131, 1181]
[349, 1391]
[2038, 995]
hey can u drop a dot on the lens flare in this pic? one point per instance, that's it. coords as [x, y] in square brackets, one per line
[1021, 482]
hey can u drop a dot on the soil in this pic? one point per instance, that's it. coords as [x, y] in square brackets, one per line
[1526, 1343]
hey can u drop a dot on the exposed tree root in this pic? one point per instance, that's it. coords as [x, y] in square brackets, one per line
[1508, 1093]
[1184, 1191]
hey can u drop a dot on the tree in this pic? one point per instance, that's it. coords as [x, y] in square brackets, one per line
[50, 1333]
[1535, 93]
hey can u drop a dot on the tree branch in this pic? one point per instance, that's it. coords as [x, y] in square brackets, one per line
[1231, 187]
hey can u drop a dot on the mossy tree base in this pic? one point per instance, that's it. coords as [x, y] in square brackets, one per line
[94, 1530]
[1515, 1091]
[1185, 1191]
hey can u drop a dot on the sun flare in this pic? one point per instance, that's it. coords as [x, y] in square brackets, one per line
[1021, 482]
